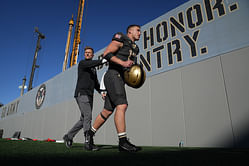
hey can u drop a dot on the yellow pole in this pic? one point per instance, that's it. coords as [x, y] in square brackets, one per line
[76, 43]
[71, 23]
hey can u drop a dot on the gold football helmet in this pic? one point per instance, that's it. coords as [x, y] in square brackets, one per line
[135, 76]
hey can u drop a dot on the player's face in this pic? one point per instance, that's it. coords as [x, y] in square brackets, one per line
[88, 54]
[135, 33]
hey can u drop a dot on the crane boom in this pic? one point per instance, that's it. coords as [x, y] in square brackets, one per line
[76, 41]
[71, 23]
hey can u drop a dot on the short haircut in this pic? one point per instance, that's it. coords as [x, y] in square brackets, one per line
[130, 26]
[87, 47]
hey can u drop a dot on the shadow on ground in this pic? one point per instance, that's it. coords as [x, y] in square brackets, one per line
[54, 154]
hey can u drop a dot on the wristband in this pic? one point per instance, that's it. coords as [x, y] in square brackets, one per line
[108, 56]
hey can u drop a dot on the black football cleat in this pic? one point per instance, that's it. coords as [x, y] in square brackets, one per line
[68, 142]
[91, 147]
[128, 147]
[136, 147]
[89, 144]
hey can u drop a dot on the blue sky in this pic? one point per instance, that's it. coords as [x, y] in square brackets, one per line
[102, 18]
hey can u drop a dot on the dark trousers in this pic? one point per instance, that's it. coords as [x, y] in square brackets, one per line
[85, 104]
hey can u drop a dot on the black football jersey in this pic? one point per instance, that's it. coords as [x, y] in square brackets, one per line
[128, 51]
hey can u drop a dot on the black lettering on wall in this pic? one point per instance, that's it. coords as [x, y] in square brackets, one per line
[219, 6]
[151, 37]
[170, 55]
[204, 50]
[146, 61]
[208, 10]
[198, 15]
[17, 103]
[159, 55]
[165, 30]
[177, 51]
[233, 7]
[197, 7]
[158, 33]
[13, 108]
[10, 109]
[191, 41]
[4, 110]
[146, 38]
[161, 27]
[177, 24]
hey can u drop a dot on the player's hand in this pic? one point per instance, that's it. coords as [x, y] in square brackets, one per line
[127, 63]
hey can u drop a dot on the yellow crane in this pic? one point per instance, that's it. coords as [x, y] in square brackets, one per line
[76, 40]
[71, 23]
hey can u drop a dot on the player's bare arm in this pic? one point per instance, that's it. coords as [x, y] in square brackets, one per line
[114, 47]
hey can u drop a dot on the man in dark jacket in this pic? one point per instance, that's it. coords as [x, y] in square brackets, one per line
[86, 83]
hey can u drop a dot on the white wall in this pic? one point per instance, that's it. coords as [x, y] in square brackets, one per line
[203, 104]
